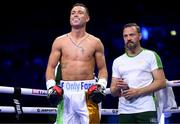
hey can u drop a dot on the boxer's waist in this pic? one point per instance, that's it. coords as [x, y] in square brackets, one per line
[76, 86]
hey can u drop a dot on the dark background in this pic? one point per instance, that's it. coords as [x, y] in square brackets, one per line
[28, 28]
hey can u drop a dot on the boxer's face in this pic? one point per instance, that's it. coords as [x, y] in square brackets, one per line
[78, 16]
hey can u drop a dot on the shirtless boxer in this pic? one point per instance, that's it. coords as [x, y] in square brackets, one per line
[78, 53]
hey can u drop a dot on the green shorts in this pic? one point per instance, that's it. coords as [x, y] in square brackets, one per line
[140, 118]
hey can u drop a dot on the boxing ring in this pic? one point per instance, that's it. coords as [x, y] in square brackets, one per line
[18, 109]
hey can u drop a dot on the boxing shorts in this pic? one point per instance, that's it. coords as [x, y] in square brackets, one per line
[76, 108]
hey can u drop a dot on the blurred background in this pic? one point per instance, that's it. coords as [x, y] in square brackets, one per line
[28, 29]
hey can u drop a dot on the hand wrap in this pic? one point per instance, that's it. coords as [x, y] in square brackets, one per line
[102, 82]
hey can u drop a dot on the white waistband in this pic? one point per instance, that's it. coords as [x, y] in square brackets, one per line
[76, 86]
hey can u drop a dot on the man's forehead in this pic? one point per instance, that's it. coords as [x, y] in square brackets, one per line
[132, 28]
[78, 8]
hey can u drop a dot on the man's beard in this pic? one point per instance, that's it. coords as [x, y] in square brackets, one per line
[131, 45]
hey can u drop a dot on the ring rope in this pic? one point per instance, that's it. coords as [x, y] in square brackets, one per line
[47, 110]
[24, 91]
[40, 92]
[51, 110]
[173, 83]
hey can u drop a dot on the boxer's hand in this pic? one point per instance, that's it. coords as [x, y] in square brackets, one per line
[96, 93]
[55, 94]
